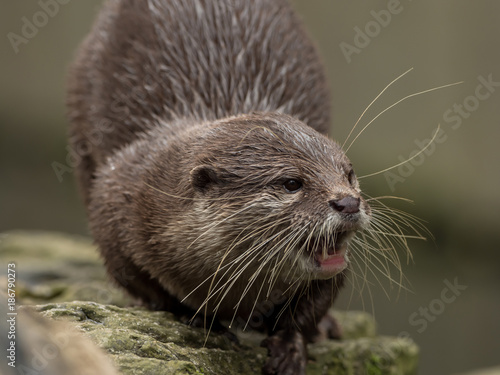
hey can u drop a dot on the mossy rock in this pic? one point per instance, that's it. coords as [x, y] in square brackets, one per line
[55, 267]
[54, 270]
[152, 342]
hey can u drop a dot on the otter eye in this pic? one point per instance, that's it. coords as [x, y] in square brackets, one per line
[352, 177]
[292, 186]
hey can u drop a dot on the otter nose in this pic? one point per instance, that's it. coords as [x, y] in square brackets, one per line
[347, 205]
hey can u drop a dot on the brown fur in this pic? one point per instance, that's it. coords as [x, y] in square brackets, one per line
[192, 116]
[142, 66]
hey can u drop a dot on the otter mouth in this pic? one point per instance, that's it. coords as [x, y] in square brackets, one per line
[329, 254]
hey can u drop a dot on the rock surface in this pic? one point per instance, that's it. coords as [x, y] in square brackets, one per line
[63, 279]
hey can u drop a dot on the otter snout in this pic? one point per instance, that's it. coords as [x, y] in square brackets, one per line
[346, 205]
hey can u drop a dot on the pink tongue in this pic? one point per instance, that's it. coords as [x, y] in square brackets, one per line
[331, 260]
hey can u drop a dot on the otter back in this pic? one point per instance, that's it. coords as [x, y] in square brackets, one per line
[158, 59]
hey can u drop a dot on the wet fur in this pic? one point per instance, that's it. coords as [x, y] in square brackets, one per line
[147, 63]
[190, 112]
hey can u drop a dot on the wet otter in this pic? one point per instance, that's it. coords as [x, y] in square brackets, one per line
[209, 183]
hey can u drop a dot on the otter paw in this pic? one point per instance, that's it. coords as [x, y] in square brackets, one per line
[286, 354]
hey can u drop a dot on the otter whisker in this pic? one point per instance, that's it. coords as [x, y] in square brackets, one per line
[259, 231]
[381, 243]
[364, 250]
[385, 265]
[393, 259]
[389, 256]
[406, 236]
[288, 302]
[383, 271]
[384, 241]
[366, 283]
[411, 221]
[384, 214]
[272, 275]
[270, 255]
[243, 265]
[210, 294]
[407, 160]
[241, 259]
[228, 250]
[369, 248]
[215, 224]
[262, 230]
[360, 287]
[312, 234]
[373, 101]
[230, 282]
[368, 254]
[384, 224]
[398, 102]
[277, 270]
[369, 199]
[291, 246]
[390, 221]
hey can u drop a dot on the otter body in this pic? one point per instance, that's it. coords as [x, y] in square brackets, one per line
[210, 186]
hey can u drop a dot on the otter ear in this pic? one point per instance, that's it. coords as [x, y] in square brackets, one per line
[202, 176]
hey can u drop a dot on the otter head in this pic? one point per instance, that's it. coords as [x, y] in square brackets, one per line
[286, 195]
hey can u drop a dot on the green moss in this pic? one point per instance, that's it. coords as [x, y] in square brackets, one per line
[66, 275]
[373, 365]
[159, 342]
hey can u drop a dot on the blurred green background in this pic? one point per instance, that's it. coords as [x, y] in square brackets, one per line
[455, 186]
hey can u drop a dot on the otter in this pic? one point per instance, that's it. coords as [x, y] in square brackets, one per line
[210, 184]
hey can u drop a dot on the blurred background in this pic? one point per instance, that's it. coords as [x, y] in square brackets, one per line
[452, 306]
